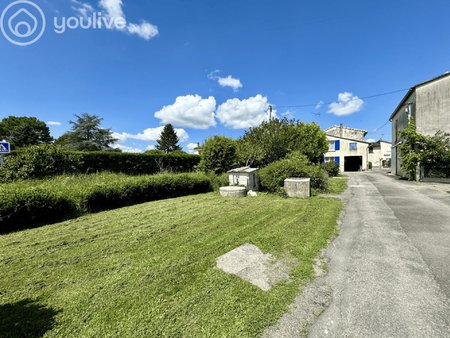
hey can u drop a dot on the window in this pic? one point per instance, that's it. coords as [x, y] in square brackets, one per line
[331, 159]
[331, 146]
[353, 146]
[334, 145]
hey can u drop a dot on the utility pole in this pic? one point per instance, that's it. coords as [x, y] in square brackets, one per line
[270, 112]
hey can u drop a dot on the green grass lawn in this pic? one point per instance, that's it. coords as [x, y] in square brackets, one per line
[337, 185]
[149, 270]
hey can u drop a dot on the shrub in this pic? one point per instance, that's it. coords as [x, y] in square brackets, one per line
[295, 165]
[47, 161]
[218, 154]
[39, 162]
[218, 181]
[332, 168]
[27, 204]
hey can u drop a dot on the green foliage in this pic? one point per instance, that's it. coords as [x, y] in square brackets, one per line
[48, 161]
[218, 155]
[27, 204]
[87, 135]
[39, 162]
[432, 152]
[274, 140]
[168, 141]
[24, 131]
[218, 181]
[331, 167]
[295, 165]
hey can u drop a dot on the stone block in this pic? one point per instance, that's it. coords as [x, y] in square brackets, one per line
[298, 187]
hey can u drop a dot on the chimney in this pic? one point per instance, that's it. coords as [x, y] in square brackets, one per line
[341, 130]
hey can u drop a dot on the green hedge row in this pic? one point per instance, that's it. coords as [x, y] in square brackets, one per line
[47, 161]
[135, 164]
[28, 204]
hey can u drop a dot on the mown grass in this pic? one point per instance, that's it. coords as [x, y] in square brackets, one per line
[149, 270]
[337, 185]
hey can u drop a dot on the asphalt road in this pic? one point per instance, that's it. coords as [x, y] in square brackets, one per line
[389, 269]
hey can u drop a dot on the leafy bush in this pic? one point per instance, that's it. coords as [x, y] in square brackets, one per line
[218, 181]
[47, 161]
[274, 140]
[431, 152]
[295, 165]
[39, 162]
[332, 168]
[218, 154]
[32, 203]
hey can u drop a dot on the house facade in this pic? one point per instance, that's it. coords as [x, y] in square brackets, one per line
[380, 154]
[428, 103]
[347, 147]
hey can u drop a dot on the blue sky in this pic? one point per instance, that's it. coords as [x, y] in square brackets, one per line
[212, 67]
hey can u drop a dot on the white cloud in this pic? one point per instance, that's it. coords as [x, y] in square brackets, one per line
[347, 104]
[231, 82]
[288, 114]
[82, 8]
[144, 30]
[319, 104]
[149, 135]
[54, 123]
[371, 140]
[228, 81]
[191, 111]
[151, 147]
[127, 149]
[113, 9]
[241, 114]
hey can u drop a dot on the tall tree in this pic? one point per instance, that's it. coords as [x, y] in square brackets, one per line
[24, 131]
[87, 135]
[168, 141]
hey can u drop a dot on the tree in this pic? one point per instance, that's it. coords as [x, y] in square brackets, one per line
[168, 141]
[274, 140]
[24, 131]
[218, 154]
[87, 135]
[432, 153]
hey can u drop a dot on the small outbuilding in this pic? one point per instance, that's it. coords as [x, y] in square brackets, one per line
[246, 177]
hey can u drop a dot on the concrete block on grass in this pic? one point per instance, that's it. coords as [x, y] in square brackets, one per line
[233, 191]
[298, 187]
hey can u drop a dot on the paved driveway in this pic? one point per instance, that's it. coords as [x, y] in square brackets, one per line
[389, 269]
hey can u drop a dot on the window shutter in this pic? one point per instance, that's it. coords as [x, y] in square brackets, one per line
[337, 159]
[337, 145]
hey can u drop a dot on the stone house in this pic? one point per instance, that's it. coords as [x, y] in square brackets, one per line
[347, 147]
[380, 154]
[428, 103]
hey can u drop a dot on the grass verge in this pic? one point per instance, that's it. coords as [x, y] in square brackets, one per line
[149, 270]
[337, 185]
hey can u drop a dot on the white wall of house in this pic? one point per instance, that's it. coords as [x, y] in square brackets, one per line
[380, 154]
[342, 148]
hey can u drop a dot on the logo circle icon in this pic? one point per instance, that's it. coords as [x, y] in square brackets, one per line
[22, 22]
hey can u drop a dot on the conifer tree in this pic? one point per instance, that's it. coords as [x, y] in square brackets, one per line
[168, 141]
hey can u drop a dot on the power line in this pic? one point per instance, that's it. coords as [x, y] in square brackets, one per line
[353, 99]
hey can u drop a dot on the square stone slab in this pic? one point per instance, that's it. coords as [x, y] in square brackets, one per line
[252, 265]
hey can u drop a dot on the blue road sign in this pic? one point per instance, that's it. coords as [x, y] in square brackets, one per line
[5, 148]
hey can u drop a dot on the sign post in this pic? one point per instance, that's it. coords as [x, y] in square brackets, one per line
[5, 148]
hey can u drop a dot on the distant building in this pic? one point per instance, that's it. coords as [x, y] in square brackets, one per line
[198, 149]
[346, 146]
[428, 103]
[380, 154]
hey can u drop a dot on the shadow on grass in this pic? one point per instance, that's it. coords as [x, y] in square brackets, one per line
[26, 319]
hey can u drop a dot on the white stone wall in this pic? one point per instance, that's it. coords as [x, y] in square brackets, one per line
[380, 154]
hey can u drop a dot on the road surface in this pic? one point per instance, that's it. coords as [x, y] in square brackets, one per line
[389, 269]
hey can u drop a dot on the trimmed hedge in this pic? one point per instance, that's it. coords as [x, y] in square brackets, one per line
[28, 204]
[136, 164]
[47, 161]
